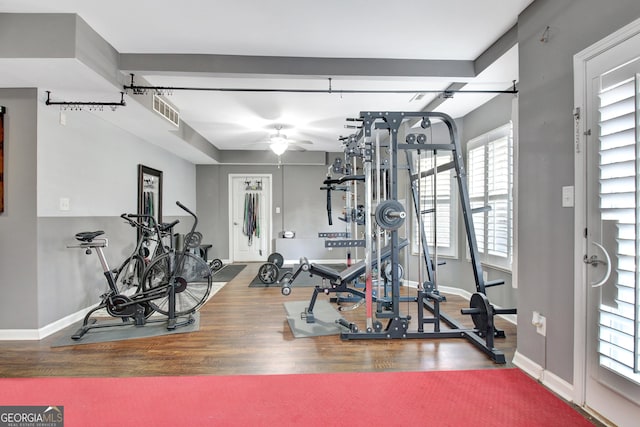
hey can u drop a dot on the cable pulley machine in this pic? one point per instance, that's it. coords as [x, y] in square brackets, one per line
[390, 215]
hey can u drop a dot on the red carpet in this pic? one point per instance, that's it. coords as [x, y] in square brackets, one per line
[495, 397]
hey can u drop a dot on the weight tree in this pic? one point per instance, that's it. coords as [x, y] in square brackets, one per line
[390, 215]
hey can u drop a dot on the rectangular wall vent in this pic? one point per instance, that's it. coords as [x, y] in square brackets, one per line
[165, 110]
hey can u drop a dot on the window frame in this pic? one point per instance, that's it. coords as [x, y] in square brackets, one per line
[484, 141]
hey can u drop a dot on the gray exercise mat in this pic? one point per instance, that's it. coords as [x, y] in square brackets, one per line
[227, 272]
[123, 332]
[325, 315]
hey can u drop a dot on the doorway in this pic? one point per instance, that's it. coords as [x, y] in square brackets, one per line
[250, 217]
[607, 289]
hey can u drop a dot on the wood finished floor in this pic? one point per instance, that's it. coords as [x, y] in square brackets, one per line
[244, 331]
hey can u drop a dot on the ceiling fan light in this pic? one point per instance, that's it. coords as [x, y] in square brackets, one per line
[278, 139]
[279, 147]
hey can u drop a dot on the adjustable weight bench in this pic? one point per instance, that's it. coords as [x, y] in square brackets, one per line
[339, 281]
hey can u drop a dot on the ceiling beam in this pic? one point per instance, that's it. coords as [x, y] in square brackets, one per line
[37, 35]
[496, 50]
[292, 66]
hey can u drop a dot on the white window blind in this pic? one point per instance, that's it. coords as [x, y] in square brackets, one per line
[490, 182]
[445, 210]
[618, 135]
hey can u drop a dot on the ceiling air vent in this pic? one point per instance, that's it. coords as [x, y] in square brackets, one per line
[165, 110]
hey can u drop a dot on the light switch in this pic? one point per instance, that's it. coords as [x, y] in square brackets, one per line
[567, 196]
[277, 209]
[65, 204]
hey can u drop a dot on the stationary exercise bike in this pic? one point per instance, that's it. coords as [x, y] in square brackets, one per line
[175, 284]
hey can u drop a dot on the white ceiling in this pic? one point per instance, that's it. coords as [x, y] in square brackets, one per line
[401, 29]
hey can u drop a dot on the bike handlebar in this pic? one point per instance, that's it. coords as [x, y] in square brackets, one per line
[147, 229]
[183, 207]
[195, 218]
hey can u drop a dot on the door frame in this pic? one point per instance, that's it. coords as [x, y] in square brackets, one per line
[580, 61]
[269, 240]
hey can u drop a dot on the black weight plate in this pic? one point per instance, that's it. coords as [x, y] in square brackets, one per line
[268, 273]
[277, 259]
[382, 217]
[480, 320]
[215, 265]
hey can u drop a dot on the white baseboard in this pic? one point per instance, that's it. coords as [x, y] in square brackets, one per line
[547, 378]
[533, 369]
[45, 331]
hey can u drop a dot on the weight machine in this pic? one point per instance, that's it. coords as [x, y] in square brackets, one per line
[390, 215]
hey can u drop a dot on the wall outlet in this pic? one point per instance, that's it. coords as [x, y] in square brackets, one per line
[540, 322]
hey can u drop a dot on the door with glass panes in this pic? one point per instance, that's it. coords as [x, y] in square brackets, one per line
[612, 378]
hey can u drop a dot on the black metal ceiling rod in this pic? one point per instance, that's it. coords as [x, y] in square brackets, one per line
[142, 89]
[80, 104]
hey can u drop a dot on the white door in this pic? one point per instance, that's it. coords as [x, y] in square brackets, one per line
[612, 152]
[250, 215]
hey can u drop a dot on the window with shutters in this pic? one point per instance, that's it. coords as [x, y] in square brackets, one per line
[442, 219]
[619, 318]
[490, 182]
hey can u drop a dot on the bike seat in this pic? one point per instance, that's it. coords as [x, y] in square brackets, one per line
[87, 236]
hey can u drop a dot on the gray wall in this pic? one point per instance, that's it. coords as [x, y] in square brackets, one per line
[18, 224]
[546, 163]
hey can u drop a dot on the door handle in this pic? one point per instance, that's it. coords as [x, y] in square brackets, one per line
[594, 261]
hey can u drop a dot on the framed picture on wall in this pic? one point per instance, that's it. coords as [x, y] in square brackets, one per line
[150, 192]
[2, 111]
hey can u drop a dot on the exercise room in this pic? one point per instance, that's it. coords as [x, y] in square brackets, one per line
[319, 213]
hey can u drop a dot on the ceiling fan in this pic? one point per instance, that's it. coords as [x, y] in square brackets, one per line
[279, 142]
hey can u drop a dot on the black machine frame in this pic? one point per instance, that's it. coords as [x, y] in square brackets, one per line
[428, 297]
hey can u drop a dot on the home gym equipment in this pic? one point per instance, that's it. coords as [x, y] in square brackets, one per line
[150, 244]
[354, 214]
[276, 258]
[482, 313]
[339, 281]
[175, 284]
[269, 272]
[390, 215]
[379, 135]
[215, 264]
